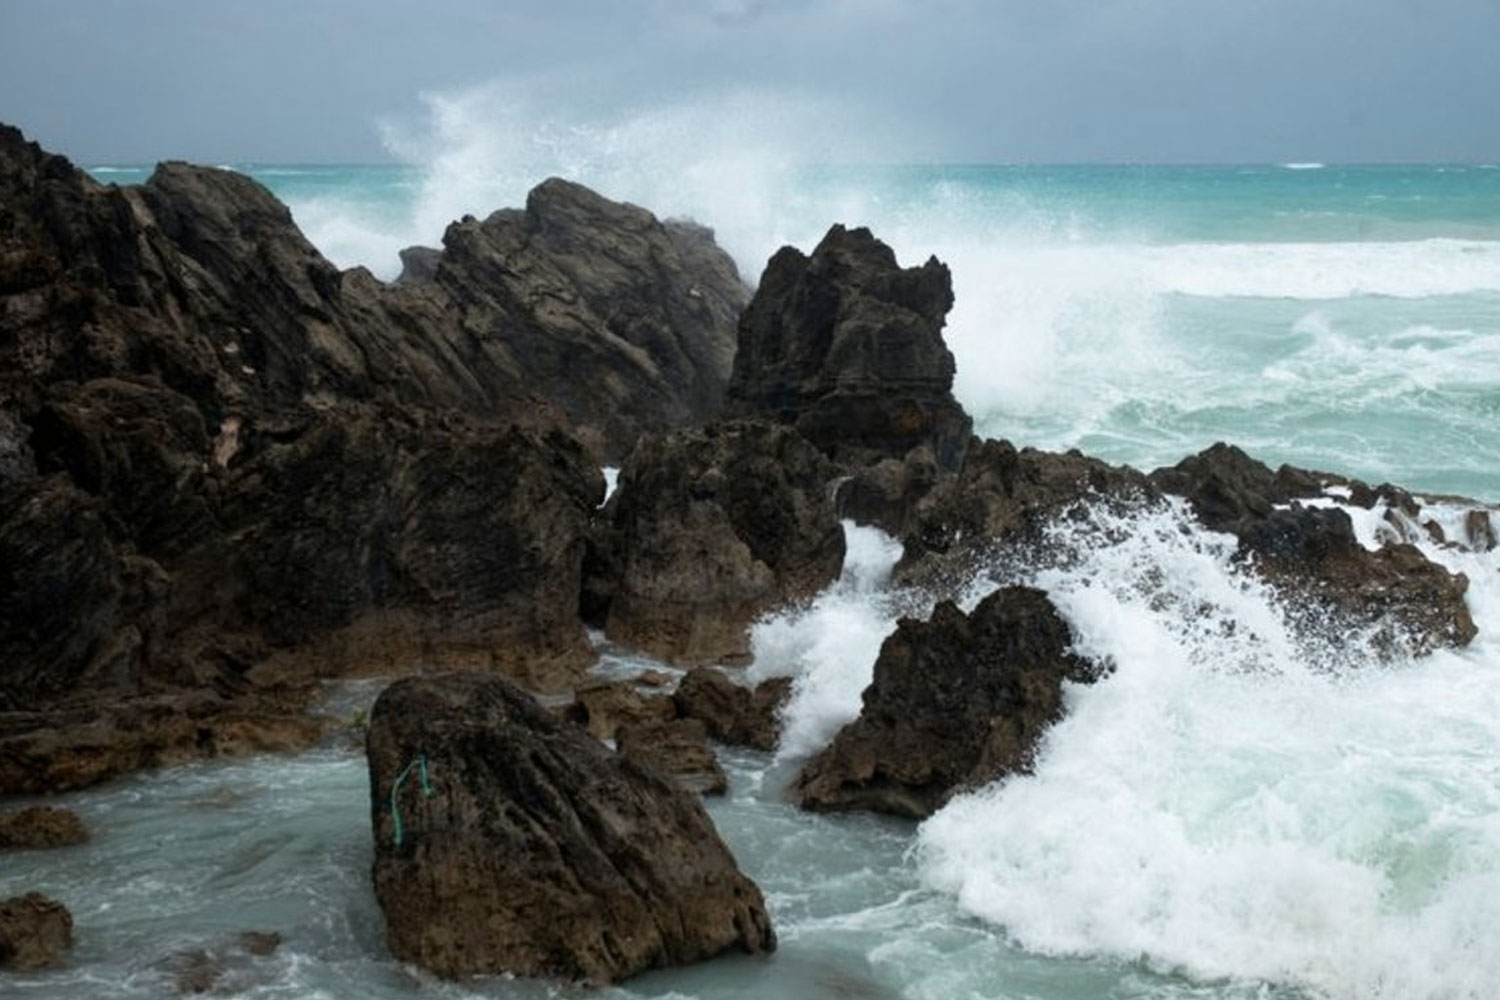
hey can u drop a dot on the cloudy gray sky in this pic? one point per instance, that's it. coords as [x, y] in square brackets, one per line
[956, 80]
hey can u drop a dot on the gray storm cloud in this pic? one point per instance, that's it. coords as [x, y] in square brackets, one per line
[961, 80]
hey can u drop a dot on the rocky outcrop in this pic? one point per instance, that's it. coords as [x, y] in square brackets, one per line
[227, 467]
[34, 932]
[506, 842]
[1003, 496]
[67, 748]
[1395, 595]
[847, 346]
[678, 748]
[711, 528]
[733, 713]
[41, 827]
[956, 701]
[602, 707]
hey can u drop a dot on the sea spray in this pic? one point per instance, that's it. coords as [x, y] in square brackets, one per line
[1240, 801]
[829, 647]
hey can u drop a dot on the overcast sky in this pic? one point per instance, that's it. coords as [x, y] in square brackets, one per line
[957, 80]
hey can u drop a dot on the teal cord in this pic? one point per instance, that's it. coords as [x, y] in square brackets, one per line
[420, 762]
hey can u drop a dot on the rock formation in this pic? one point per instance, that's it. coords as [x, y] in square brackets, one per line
[1001, 496]
[847, 346]
[1403, 600]
[41, 827]
[34, 932]
[711, 528]
[956, 702]
[507, 842]
[732, 712]
[227, 468]
[677, 748]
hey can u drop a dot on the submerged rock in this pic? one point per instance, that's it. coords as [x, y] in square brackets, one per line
[847, 346]
[712, 528]
[506, 842]
[956, 702]
[34, 932]
[41, 827]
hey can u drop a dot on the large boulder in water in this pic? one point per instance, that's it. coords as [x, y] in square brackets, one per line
[847, 346]
[1394, 595]
[712, 528]
[34, 932]
[507, 842]
[956, 701]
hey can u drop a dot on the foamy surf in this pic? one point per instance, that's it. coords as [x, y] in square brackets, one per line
[1238, 802]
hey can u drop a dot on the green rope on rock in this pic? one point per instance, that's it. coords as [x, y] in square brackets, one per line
[420, 763]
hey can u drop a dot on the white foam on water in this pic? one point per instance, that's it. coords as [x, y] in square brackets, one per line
[829, 647]
[1309, 165]
[1238, 802]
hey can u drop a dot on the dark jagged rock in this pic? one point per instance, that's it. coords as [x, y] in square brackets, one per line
[418, 264]
[677, 748]
[1002, 496]
[41, 827]
[847, 346]
[712, 528]
[526, 847]
[1403, 600]
[889, 493]
[956, 702]
[34, 932]
[225, 466]
[733, 713]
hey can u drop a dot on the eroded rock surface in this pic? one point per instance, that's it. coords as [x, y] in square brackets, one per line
[1397, 596]
[712, 528]
[41, 827]
[228, 467]
[956, 702]
[847, 346]
[35, 932]
[733, 713]
[526, 847]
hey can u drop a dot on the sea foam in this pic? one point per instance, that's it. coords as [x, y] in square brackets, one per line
[1238, 801]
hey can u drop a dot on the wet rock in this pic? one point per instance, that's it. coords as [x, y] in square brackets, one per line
[226, 968]
[71, 748]
[887, 494]
[34, 932]
[1479, 531]
[847, 346]
[1397, 597]
[526, 847]
[224, 462]
[956, 702]
[732, 712]
[41, 827]
[713, 528]
[604, 706]
[1004, 496]
[677, 748]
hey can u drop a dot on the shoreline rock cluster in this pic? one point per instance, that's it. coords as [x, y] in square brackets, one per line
[229, 471]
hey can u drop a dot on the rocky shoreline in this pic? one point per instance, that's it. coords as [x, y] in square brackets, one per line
[229, 471]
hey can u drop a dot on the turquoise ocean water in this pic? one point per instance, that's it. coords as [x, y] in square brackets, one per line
[1241, 810]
